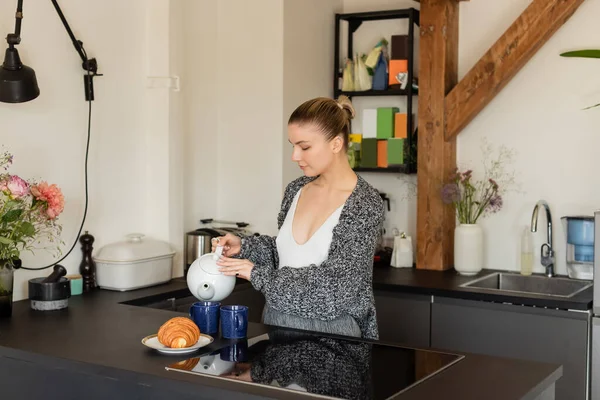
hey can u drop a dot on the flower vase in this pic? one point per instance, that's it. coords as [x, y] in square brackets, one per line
[468, 249]
[6, 288]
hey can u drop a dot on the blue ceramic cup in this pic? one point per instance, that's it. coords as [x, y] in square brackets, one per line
[206, 315]
[234, 322]
[237, 351]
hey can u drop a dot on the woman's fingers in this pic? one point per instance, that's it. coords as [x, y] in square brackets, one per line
[235, 267]
[228, 262]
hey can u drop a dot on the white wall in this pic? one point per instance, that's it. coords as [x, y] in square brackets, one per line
[539, 115]
[47, 136]
[233, 57]
[250, 98]
[177, 129]
[200, 88]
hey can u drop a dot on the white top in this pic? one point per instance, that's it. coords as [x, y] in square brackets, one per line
[315, 250]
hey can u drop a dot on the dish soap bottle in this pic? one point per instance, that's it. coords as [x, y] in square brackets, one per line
[526, 252]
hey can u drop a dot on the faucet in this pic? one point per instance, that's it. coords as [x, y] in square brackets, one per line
[547, 250]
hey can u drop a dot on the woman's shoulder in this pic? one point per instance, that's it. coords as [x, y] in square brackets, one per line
[366, 202]
[288, 196]
[367, 194]
[295, 185]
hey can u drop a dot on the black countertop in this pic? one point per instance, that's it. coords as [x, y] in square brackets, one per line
[447, 283]
[98, 335]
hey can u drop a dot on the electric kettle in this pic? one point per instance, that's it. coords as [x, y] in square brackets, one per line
[206, 282]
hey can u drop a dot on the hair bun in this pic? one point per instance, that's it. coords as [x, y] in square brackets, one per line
[345, 104]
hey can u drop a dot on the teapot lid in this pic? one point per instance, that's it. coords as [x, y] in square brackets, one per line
[208, 262]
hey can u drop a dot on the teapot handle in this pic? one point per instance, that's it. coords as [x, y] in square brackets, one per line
[218, 252]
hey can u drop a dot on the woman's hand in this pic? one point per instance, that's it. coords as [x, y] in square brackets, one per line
[235, 267]
[232, 244]
[241, 372]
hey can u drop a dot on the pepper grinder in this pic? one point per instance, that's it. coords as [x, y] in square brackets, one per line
[87, 268]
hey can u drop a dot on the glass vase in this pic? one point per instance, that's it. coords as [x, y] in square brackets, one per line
[6, 288]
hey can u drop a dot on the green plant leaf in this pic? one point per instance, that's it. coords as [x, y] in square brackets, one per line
[12, 215]
[582, 53]
[11, 204]
[4, 240]
[27, 229]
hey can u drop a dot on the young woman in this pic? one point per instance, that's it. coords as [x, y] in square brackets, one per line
[316, 274]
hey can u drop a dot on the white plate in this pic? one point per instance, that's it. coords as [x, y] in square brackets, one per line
[152, 342]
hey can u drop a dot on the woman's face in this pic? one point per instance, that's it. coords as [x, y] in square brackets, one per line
[311, 150]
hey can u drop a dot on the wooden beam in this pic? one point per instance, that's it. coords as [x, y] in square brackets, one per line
[504, 59]
[438, 73]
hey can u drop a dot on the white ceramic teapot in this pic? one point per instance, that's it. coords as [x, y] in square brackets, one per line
[206, 282]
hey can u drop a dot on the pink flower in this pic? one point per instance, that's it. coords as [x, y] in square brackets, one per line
[17, 187]
[51, 196]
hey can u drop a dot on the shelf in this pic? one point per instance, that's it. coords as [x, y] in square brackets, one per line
[398, 169]
[389, 92]
[380, 15]
[353, 21]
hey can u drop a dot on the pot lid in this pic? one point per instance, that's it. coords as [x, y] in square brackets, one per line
[134, 248]
[207, 232]
[208, 262]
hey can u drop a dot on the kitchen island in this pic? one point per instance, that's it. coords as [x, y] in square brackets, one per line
[92, 350]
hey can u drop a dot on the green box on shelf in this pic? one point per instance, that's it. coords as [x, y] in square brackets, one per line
[385, 122]
[368, 157]
[395, 151]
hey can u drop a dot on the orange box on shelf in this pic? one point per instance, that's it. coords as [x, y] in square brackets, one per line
[400, 121]
[397, 66]
[382, 161]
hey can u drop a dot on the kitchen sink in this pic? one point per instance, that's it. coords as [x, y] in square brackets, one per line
[532, 284]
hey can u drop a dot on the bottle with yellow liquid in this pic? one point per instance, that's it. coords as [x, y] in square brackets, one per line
[526, 252]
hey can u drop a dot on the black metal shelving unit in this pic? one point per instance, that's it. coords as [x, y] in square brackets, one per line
[354, 21]
[398, 169]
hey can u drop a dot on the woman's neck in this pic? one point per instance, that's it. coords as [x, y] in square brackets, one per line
[338, 177]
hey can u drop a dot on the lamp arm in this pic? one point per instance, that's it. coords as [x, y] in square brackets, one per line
[15, 38]
[78, 44]
[90, 65]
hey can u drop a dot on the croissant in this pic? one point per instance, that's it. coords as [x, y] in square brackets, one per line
[188, 364]
[178, 333]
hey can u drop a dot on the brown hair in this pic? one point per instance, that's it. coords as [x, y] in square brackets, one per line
[330, 116]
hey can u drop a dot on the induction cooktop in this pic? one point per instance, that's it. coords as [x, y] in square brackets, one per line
[328, 367]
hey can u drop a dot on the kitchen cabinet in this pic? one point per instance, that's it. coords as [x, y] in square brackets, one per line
[530, 333]
[403, 318]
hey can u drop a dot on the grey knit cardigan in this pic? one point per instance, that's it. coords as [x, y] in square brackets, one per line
[343, 283]
[325, 366]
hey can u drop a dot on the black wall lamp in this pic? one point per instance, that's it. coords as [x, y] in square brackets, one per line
[18, 83]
